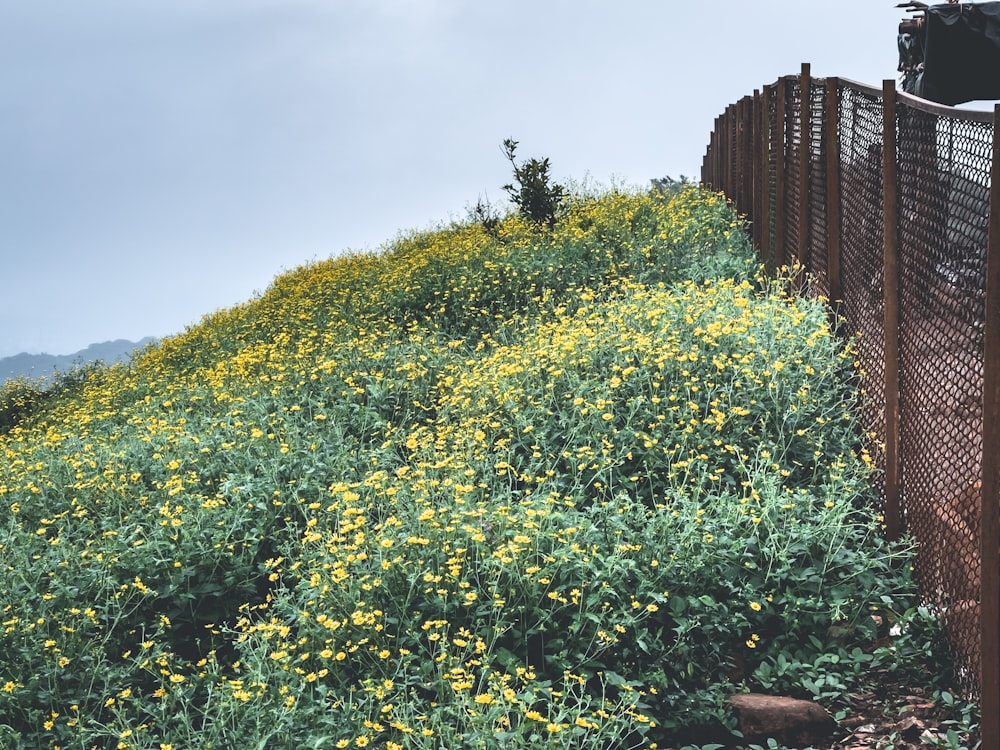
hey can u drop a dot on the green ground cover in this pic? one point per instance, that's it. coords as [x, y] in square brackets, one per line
[516, 487]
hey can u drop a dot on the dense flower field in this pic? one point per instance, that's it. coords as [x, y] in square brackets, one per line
[526, 488]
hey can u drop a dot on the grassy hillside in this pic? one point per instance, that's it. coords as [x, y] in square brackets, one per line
[516, 488]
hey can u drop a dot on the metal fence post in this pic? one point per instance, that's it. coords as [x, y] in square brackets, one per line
[717, 154]
[732, 165]
[766, 208]
[740, 156]
[746, 147]
[779, 178]
[756, 142]
[805, 145]
[891, 287]
[832, 135]
[989, 555]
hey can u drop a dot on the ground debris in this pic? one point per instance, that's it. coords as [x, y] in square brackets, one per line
[873, 721]
[911, 722]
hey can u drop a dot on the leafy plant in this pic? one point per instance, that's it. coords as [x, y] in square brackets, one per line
[560, 489]
[17, 398]
[488, 218]
[669, 186]
[537, 199]
[21, 397]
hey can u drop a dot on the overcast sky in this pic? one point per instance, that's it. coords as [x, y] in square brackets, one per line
[163, 159]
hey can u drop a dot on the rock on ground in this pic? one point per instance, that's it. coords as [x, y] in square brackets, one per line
[790, 721]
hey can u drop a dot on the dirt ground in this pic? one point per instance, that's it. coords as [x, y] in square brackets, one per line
[906, 722]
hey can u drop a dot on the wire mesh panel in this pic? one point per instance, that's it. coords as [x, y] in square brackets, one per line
[744, 131]
[944, 206]
[795, 192]
[860, 123]
[817, 249]
[741, 158]
[775, 150]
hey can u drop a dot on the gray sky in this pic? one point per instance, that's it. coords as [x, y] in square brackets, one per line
[163, 159]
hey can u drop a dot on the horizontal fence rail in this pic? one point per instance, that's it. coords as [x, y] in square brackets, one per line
[884, 200]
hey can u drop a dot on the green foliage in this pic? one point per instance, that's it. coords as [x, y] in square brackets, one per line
[669, 186]
[17, 398]
[536, 198]
[21, 397]
[487, 217]
[561, 489]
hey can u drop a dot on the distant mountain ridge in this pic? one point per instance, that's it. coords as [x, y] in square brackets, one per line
[44, 365]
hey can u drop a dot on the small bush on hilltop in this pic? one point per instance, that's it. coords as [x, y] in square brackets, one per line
[536, 198]
[562, 489]
[670, 186]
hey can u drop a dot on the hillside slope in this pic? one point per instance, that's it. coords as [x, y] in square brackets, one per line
[516, 488]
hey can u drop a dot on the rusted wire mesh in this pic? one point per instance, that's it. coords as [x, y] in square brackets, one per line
[773, 135]
[943, 201]
[862, 280]
[816, 255]
[936, 233]
[795, 193]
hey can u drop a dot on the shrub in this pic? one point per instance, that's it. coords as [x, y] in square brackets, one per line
[536, 198]
[17, 398]
[21, 397]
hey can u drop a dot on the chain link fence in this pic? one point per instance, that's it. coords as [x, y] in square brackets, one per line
[884, 200]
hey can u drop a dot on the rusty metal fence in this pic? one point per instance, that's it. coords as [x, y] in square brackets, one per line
[884, 199]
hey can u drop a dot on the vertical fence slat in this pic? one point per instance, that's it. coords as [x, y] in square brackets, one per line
[764, 243]
[730, 179]
[740, 160]
[716, 154]
[781, 149]
[756, 139]
[989, 645]
[891, 287]
[832, 135]
[750, 120]
[724, 151]
[736, 140]
[805, 113]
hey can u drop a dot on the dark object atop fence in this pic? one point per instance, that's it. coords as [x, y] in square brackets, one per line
[950, 54]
